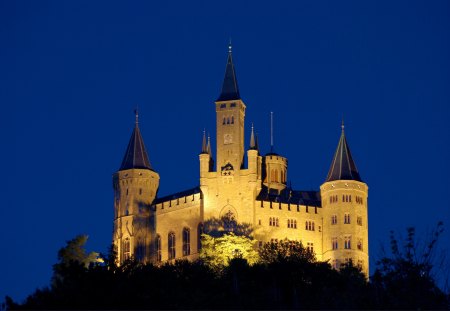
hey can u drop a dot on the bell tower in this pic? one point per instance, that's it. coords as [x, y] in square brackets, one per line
[230, 114]
[135, 186]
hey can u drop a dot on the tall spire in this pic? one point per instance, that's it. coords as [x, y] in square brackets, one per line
[136, 155]
[252, 140]
[230, 89]
[204, 147]
[343, 167]
[208, 146]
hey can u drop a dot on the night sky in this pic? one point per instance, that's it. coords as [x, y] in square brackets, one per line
[72, 72]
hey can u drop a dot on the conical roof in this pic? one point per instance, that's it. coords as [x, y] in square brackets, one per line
[343, 167]
[230, 89]
[136, 155]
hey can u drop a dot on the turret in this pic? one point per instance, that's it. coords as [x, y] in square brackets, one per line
[344, 203]
[135, 187]
[204, 158]
[252, 155]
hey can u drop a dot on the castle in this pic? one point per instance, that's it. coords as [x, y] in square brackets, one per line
[331, 222]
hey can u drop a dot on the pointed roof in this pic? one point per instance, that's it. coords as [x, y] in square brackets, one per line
[343, 167]
[204, 146]
[253, 143]
[136, 155]
[208, 146]
[230, 89]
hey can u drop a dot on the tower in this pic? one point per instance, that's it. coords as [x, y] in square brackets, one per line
[230, 115]
[344, 202]
[135, 185]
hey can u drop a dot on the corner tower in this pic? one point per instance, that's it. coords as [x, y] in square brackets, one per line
[135, 186]
[344, 201]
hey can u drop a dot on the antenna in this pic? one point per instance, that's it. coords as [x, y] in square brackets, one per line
[271, 131]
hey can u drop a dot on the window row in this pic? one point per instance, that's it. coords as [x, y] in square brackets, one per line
[309, 225]
[333, 199]
[275, 177]
[171, 245]
[347, 219]
[273, 222]
[228, 120]
[225, 105]
[292, 223]
[336, 263]
[346, 198]
[347, 243]
[359, 200]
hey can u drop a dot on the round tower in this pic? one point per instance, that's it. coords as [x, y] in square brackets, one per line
[344, 202]
[135, 186]
[275, 171]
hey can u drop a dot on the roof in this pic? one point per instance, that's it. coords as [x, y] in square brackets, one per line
[177, 195]
[230, 89]
[343, 167]
[288, 195]
[136, 155]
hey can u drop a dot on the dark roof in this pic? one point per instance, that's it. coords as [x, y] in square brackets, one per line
[230, 89]
[343, 167]
[288, 195]
[177, 195]
[136, 156]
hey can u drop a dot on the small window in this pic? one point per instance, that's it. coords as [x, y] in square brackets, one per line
[334, 243]
[223, 106]
[359, 245]
[334, 219]
[158, 248]
[359, 220]
[233, 105]
[309, 225]
[232, 120]
[126, 253]
[348, 242]
[171, 246]
[310, 247]
[346, 218]
[224, 121]
[186, 242]
[140, 191]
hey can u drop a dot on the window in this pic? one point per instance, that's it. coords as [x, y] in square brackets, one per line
[292, 223]
[348, 242]
[140, 250]
[199, 236]
[233, 105]
[359, 245]
[232, 119]
[158, 248]
[346, 218]
[334, 243]
[126, 253]
[223, 105]
[171, 246]
[359, 220]
[309, 225]
[334, 219]
[310, 246]
[186, 242]
[333, 199]
[224, 121]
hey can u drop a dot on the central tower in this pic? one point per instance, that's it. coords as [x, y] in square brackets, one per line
[230, 113]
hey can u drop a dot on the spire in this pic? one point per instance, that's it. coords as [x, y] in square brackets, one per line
[230, 89]
[136, 156]
[208, 146]
[343, 167]
[204, 147]
[252, 140]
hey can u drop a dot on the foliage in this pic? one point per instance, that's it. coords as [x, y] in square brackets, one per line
[217, 227]
[217, 252]
[285, 250]
[405, 277]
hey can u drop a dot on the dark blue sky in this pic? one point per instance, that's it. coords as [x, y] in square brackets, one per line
[71, 73]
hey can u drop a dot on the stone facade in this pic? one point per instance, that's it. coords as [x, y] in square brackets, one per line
[332, 222]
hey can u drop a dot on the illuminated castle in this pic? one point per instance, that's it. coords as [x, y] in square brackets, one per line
[332, 221]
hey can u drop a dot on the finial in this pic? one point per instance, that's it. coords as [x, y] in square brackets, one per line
[136, 113]
[230, 47]
[342, 123]
[271, 131]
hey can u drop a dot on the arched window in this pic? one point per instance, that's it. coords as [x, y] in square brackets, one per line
[158, 248]
[228, 120]
[171, 246]
[186, 242]
[224, 121]
[126, 253]
[276, 175]
[232, 119]
[199, 236]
